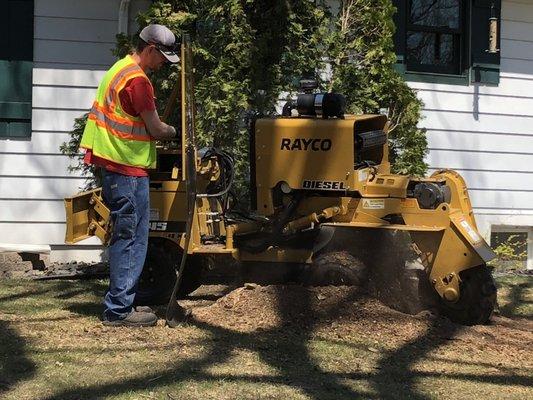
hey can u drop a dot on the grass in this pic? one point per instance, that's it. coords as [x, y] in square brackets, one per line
[515, 293]
[52, 346]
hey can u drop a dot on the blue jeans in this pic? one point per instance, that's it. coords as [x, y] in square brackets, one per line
[128, 198]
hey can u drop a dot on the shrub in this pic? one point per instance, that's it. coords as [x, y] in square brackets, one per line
[248, 53]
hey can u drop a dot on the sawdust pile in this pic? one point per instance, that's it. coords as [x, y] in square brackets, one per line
[342, 311]
[254, 307]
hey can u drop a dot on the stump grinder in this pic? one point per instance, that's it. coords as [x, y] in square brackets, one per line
[315, 174]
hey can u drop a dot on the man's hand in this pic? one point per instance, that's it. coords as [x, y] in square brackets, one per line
[157, 128]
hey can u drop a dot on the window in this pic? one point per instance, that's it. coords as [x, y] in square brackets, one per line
[16, 64]
[446, 40]
[434, 37]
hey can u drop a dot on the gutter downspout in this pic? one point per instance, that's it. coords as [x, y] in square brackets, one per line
[123, 15]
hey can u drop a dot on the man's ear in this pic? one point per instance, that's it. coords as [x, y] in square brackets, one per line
[147, 50]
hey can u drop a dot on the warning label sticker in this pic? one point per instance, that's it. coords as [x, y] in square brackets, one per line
[471, 231]
[373, 204]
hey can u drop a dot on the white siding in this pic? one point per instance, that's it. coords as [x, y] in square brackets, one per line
[37, 188]
[485, 132]
[73, 40]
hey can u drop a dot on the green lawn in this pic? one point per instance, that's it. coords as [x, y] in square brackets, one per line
[53, 346]
[515, 294]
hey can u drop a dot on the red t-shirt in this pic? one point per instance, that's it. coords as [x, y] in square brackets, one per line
[137, 96]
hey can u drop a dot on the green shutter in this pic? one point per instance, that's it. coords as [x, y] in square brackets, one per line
[16, 66]
[15, 89]
[485, 66]
[399, 36]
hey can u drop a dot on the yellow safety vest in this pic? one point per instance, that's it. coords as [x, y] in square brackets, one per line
[110, 132]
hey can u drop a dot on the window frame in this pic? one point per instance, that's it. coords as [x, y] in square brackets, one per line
[458, 34]
[477, 66]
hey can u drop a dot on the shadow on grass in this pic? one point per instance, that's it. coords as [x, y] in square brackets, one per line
[517, 300]
[395, 377]
[94, 288]
[87, 307]
[14, 365]
[285, 348]
[61, 290]
[23, 295]
[290, 356]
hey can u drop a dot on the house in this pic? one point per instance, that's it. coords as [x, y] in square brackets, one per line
[478, 105]
[57, 51]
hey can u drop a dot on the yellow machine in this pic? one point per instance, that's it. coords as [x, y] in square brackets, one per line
[312, 170]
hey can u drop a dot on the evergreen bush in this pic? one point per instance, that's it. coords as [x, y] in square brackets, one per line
[250, 53]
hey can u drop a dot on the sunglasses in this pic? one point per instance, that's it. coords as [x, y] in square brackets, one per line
[161, 47]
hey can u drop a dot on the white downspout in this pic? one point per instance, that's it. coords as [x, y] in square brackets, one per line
[123, 15]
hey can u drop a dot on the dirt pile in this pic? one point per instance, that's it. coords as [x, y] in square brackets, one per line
[335, 309]
[340, 311]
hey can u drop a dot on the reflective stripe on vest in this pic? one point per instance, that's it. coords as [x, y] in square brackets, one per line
[110, 132]
[136, 130]
[120, 76]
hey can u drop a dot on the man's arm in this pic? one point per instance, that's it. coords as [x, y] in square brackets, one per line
[157, 128]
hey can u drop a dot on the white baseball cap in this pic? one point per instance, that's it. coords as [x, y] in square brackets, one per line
[162, 38]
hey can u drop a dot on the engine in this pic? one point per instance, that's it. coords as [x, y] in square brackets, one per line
[316, 149]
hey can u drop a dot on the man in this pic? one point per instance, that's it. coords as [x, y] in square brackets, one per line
[119, 137]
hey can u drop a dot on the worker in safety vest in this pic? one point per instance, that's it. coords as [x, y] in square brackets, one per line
[119, 137]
